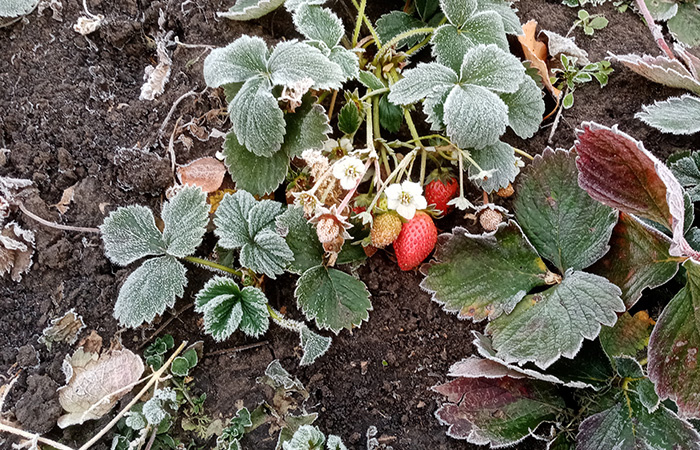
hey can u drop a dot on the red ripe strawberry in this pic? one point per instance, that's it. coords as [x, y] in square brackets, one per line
[439, 192]
[415, 242]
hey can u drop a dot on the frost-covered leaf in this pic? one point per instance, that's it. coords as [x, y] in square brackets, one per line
[231, 219]
[499, 157]
[525, 108]
[474, 116]
[237, 62]
[293, 61]
[370, 80]
[685, 25]
[333, 298]
[250, 9]
[390, 115]
[130, 233]
[562, 221]
[185, 216]
[335, 443]
[628, 337]
[16, 250]
[677, 115]
[426, 80]
[156, 409]
[661, 69]
[451, 43]
[268, 254]
[307, 129]
[686, 168]
[396, 22]
[16, 8]
[293, 5]
[319, 24]
[313, 345]
[257, 119]
[496, 411]
[227, 308]
[434, 108]
[458, 11]
[618, 171]
[545, 326]
[349, 119]
[674, 344]
[207, 173]
[630, 426]
[661, 10]
[64, 329]
[483, 276]
[302, 240]
[258, 175]
[638, 259]
[511, 22]
[490, 67]
[180, 367]
[348, 61]
[149, 290]
[95, 383]
[307, 437]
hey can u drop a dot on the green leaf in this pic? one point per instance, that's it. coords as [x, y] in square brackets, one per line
[130, 233]
[628, 337]
[370, 80]
[390, 115]
[191, 357]
[257, 119]
[661, 69]
[426, 80]
[525, 108]
[307, 437]
[186, 217]
[319, 24]
[292, 62]
[302, 240]
[16, 8]
[268, 254]
[458, 11]
[348, 61]
[150, 289]
[568, 101]
[335, 443]
[483, 276]
[227, 308]
[661, 10]
[673, 347]
[258, 175]
[396, 22]
[685, 25]
[349, 119]
[499, 157]
[490, 67]
[451, 43]
[496, 411]
[564, 224]
[687, 171]
[333, 298]
[180, 367]
[231, 219]
[237, 62]
[434, 108]
[598, 23]
[250, 9]
[638, 259]
[676, 115]
[427, 8]
[629, 426]
[545, 326]
[313, 345]
[475, 117]
[511, 22]
[307, 129]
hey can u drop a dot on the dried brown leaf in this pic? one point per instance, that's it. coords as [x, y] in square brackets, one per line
[536, 52]
[66, 199]
[16, 250]
[63, 329]
[207, 173]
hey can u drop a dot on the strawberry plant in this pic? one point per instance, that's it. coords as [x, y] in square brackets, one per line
[613, 209]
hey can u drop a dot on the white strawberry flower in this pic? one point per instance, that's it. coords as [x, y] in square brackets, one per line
[406, 198]
[349, 170]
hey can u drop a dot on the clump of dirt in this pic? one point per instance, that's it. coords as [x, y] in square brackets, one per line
[71, 116]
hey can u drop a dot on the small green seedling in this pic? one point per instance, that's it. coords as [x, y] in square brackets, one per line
[589, 23]
[571, 75]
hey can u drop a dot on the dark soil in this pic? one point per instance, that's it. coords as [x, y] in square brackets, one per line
[70, 114]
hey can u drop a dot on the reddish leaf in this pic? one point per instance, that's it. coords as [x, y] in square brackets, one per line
[618, 171]
[638, 259]
[629, 336]
[207, 173]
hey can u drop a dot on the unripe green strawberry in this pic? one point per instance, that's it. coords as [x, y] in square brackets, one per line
[415, 242]
[385, 229]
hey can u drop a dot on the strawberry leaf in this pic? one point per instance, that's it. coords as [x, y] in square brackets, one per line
[291, 62]
[307, 129]
[490, 67]
[426, 80]
[628, 337]
[302, 240]
[458, 11]
[227, 308]
[496, 411]
[685, 25]
[349, 119]
[150, 289]
[525, 108]
[185, 217]
[237, 62]
[676, 115]
[313, 345]
[543, 327]
[258, 175]
[686, 168]
[562, 221]
[396, 22]
[16, 8]
[483, 276]
[250, 9]
[498, 157]
[130, 233]
[674, 344]
[256, 118]
[618, 171]
[333, 298]
[474, 116]
[638, 259]
[511, 22]
[661, 69]
[319, 24]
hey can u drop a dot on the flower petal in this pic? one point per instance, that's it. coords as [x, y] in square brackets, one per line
[393, 192]
[411, 188]
[420, 202]
[406, 211]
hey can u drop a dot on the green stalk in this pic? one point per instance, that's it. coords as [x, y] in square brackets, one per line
[406, 34]
[358, 22]
[213, 265]
[368, 24]
[374, 93]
